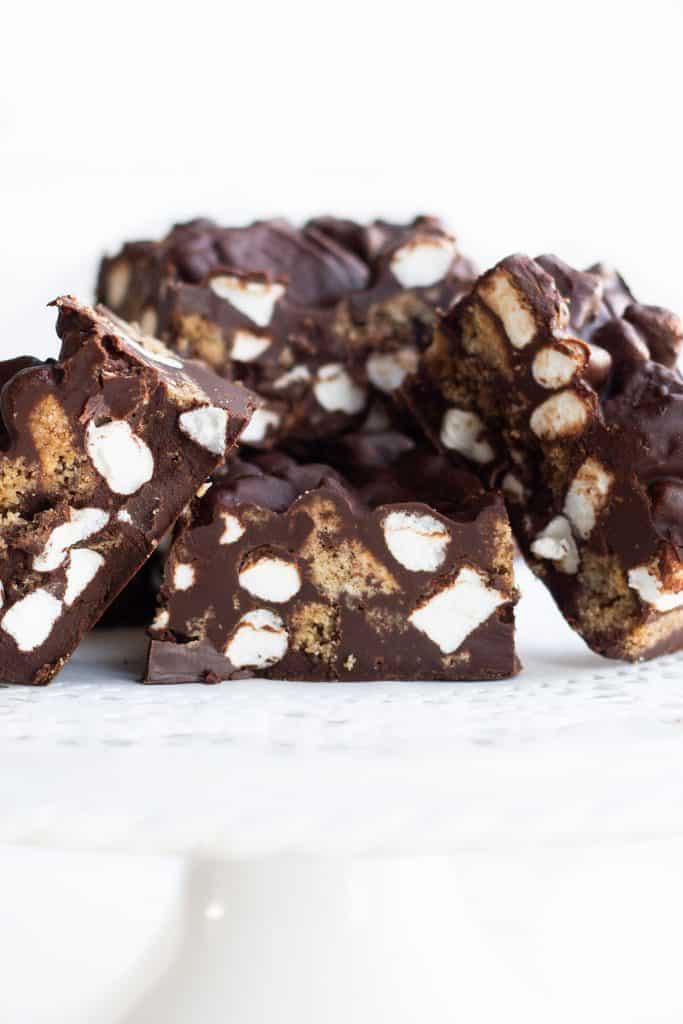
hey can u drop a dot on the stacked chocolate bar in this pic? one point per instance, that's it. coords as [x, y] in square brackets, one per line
[394, 409]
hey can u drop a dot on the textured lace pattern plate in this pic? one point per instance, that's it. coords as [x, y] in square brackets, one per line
[574, 746]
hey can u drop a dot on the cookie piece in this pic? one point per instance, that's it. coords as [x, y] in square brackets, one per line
[99, 453]
[313, 319]
[564, 389]
[283, 570]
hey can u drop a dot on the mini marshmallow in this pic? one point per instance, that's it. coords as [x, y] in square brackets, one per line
[587, 496]
[423, 262]
[418, 542]
[233, 529]
[503, 299]
[116, 283]
[257, 427]
[388, 370]
[161, 619]
[563, 415]
[453, 613]
[645, 581]
[259, 640]
[336, 391]
[461, 432]
[271, 579]
[83, 566]
[124, 516]
[30, 620]
[183, 576]
[556, 544]
[247, 346]
[513, 487]
[206, 426]
[298, 374]
[554, 368]
[81, 524]
[255, 299]
[119, 455]
[149, 323]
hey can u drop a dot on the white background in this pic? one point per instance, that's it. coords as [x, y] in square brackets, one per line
[553, 803]
[529, 126]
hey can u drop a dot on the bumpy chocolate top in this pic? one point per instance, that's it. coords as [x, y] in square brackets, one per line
[274, 480]
[579, 401]
[312, 319]
[321, 262]
[633, 353]
[317, 269]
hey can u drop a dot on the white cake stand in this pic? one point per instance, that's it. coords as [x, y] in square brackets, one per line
[262, 851]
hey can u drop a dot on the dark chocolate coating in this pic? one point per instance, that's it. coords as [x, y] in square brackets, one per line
[335, 300]
[347, 614]
[582, 409]
[102, 451]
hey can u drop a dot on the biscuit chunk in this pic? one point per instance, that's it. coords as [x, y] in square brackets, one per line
[284, 570]
[99, 453]
[563, 389]
[315, 320]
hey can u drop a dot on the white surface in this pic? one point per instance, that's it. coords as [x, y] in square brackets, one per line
[548, 808]
[576, 747]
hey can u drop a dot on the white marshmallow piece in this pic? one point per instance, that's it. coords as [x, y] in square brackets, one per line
[553, 368]
[450, 616]
[649, 587]
[81, 524]
[183, 576]
[119, 455]
[259, 640]
[271, 579]
[206, 426]
[124, 516]
[82, 569]
[116, 284]
[259, 424]
[148, 325]
[503, 299]
[462, 431]
[298, 374]
[563, 415]
[587, 496]
[30, 620]
[247, 346]
[161, 619]
[423, 261]
[388, 370]
[337, 392]
[233, 529]
[255, 299]
[556, 544]
[417, 542]
[513, 487]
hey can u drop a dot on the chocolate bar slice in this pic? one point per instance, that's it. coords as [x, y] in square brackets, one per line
[312, 319]
[284, 570]
[561, 386]
[99, 453]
